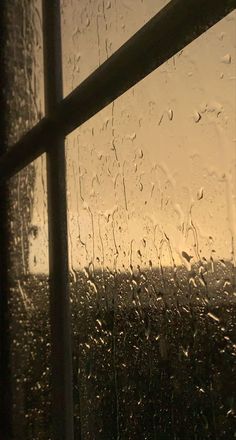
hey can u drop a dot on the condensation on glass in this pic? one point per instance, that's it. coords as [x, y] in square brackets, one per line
[28, 296]
[23, 66]
[29, 304]
[151, 213]
[92, 30]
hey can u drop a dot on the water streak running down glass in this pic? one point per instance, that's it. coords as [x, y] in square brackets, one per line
[93, 30]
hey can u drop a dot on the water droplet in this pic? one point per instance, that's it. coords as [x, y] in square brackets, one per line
[170, 114]
[226, 59]
[226, 284]
[186, 351]
[99, 322]
[160, 120]
[221, 36]
[196, 116]
[213, 316]
[132, 136]
[200, 194]
[201, 390]
[192, 281]
[140, 155]
[186, 256]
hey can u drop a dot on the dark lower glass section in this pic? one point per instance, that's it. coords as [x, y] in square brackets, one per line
[30, 359]
[151, 360]
[154, 358]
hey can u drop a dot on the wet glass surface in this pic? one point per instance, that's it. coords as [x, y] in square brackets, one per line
[151, 210]
[94, 29]
[28, 295]
[23, 66]
[151, 213]
[28, 302]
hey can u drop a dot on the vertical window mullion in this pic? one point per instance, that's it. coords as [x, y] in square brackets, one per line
[62, 383]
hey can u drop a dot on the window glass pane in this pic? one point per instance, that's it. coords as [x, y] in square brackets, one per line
[93, 30]
[28, 295]
[29, 304]
[151, 209]
[23, 66]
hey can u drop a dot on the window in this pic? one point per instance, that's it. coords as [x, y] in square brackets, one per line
[118, 288]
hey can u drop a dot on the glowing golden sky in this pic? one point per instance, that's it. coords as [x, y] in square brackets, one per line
[154, 173]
